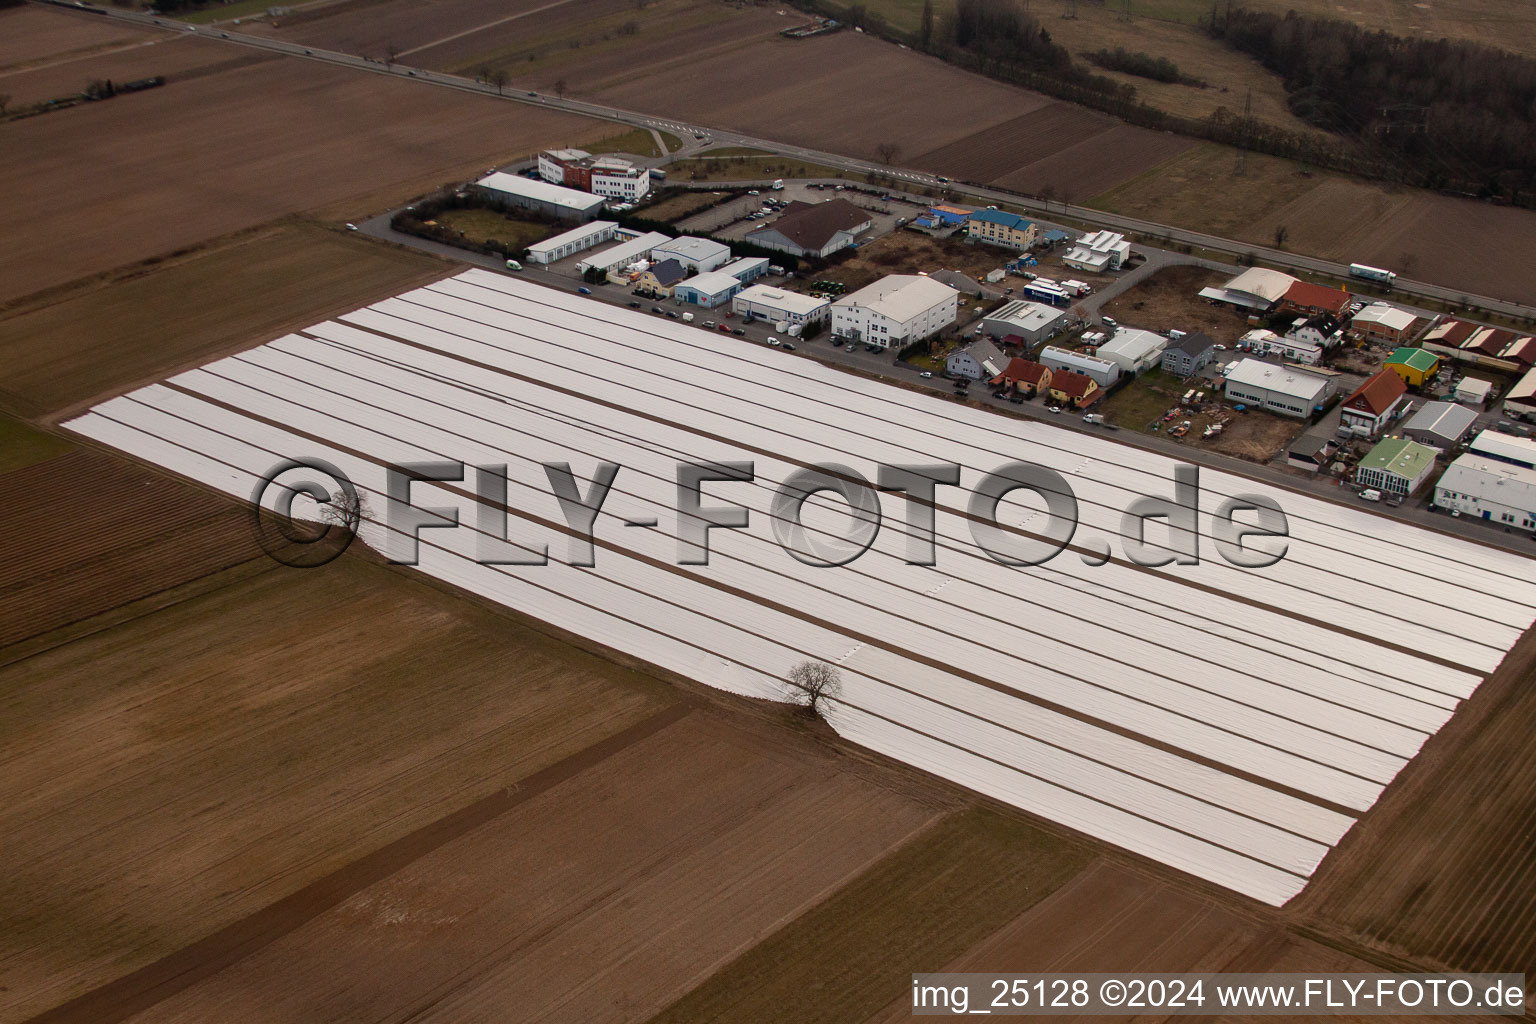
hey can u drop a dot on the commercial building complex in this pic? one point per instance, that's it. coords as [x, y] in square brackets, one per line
[1278, 389]
[1440, 425]
[624, 254]
[998, 227]
[607, 176]
[895, 310]
[1475, 485]
[697, 255]
[1396, 466]
[1030, 322]
[1102, 250]
[813, 229]
[708, 290]
[776, 304]
[1134, 350]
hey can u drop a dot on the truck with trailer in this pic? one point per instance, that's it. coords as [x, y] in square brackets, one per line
[1360, 270]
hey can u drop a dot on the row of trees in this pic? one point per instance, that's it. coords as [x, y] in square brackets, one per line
[1463, 115]
[1143, 65]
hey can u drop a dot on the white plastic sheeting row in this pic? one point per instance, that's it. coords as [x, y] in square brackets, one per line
[1215, 734]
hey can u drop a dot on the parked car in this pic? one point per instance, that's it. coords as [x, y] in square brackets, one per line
[1054, 408]
[671, 314]
[1370, 494]
[634, 305]
[656, 309]
[772, 340]
[788, 347]
[709, 325]
[583, 290]
[739, 332]
[725, 328]
[837, 342]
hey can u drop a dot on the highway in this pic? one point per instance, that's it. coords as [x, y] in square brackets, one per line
[700, 137]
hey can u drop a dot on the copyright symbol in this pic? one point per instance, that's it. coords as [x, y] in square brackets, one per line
[299, 543]
[1112, 992]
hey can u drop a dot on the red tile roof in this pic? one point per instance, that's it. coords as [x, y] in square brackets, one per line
[1377, 394]
[1309, 296]
[1073, 385]
[1026, 370]
[1522, 351]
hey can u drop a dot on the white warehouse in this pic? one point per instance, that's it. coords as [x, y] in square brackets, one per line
[1103, 371]
[571, 242]
[540, 196]
[1133, 350]
[700, 255]
[778, 305]
[1279, 389]
[895, 310]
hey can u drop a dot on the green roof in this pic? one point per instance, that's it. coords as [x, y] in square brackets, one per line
[1401, 456]
[1418, 358]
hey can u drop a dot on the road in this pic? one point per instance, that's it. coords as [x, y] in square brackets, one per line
[698, 137]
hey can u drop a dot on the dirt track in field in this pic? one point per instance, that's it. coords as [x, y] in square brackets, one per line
[31, 35]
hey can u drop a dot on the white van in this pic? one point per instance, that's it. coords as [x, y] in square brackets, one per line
[1370, 494]
[514, 265]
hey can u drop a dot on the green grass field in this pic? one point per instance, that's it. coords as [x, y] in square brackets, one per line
[914, 910]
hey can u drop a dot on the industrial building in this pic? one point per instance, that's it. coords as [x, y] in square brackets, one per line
[708, 290]
[697, 255]
[1440, 425]
[980, 360]
[895, 311]
[999, 227]
[1396, 466]
[1188, 354]
[622, 255]
[571, 242]
[1414, 365]
[1264, 342]
[813, 229]
[1382, 323]
[1374, 404]
[942, 219]
[1478, 343]
[1520, 400]
[1278, 389]
[747, 268]
[607, 176]
[1473, 391]
[1474, 485]
[1032, 322]
[1100, 251]
[1501, 447]
[1257, 289]
[539, 196]
[1103, 372]
[775, 304]
[1133, 350]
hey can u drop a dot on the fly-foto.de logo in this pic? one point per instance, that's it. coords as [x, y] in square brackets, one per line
[1248, 531]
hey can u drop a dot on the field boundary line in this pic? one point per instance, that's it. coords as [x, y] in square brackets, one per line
[149, 985]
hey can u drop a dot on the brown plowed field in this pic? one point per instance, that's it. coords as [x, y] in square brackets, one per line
[86, 532]
[990, 154]
[174, 774]
[1096, 163]
[32, 34]
[105, 337]
[600, 899]
[105, 184]
[179, 58]
[1444, 867]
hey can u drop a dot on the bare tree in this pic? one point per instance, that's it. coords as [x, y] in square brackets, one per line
[560, 88]
[888, 152]
[5, 101]
[1047, 193]
[391, 54]
[812, 684]
[346, 509]
[499, 79]
[1281, 234]
[483, 73]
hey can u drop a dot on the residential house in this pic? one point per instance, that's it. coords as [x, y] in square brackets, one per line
[1310, 299]
[1024, 376]
[980, 360]
[1188, 354]
[1373, 404]
[1077, 390]
[660, 279]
